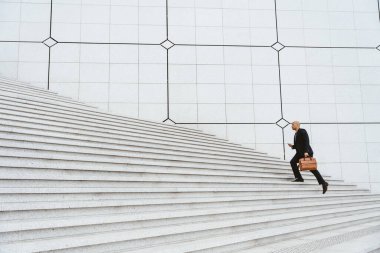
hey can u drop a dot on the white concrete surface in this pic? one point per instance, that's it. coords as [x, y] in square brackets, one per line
[73, 179]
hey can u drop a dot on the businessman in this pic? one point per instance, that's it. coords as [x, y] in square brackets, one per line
[303, 149]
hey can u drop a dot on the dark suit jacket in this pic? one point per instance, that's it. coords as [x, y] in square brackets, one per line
[301, 143]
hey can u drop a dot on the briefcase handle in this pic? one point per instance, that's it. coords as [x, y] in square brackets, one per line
[310, 158]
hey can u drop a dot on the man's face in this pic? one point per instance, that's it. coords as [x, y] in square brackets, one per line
[294, 126]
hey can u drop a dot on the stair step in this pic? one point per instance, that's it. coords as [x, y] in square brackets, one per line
[20, 127]
[168, 188]
[16, 87]
[55, 228]
[59, 194]
[271, 205]
[156, 182]
[233, 242]
[131, 179]
[96, 127]
[85, 219]
[86, 118]
[117, 148]
[67, 157]
[89, 111]
[36, 94]
[194, 230]
[87, 114]
[11, 124]
[82, 121]
[21, 84]
[18, 133]
[361, 238]
[364, 244]
[10, 140]
[62, 203]
[75, 165]
[44, 100]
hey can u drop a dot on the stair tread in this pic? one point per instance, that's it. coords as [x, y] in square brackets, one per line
[166, 189]
[22, 84]
[56, 129]
[115, 143]
[194, 199]
[237, 237]
[83, 120]
[108, 237]
[95, 115]
[34, 103]
[327, 241]
[95, 110]
[47, 96]
[88, 118]
[67, 142]
[76, 165]
[60, 152]
[363, 244]
[117, 131]
[131, 182]
[28, 88]
[145, 171]
[22, 224]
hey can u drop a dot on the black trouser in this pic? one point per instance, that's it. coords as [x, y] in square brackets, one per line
[296, 172]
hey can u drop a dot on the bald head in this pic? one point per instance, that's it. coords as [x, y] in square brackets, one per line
[296, 125]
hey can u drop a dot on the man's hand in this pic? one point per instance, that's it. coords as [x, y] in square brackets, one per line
[290, 145]
[306, 154]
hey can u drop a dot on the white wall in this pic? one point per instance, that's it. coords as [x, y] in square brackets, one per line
[222, 70]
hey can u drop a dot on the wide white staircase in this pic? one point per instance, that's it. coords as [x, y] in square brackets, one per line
[75, 179]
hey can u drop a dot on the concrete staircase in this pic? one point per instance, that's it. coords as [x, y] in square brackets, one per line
[75, 179]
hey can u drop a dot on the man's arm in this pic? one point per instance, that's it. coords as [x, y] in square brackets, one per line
[305, 141]
[292, 146]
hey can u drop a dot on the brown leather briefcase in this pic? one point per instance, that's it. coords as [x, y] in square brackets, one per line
[308, 163]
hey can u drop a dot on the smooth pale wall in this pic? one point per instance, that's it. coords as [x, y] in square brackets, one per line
[329, 69]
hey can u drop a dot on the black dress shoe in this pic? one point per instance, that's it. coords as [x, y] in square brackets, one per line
[298, 180]
[324, 187]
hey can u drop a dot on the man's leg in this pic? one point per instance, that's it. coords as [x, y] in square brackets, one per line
[318, 176]
[294, 165]
[320, 179]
